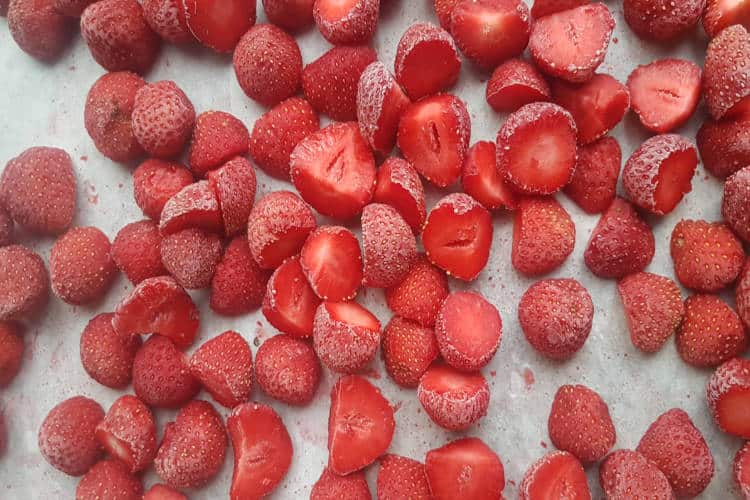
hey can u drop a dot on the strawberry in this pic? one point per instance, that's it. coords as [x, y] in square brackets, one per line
[380, 103]
[262, 450]
[419, 296]
[653, 308]
[191, 257]
[163, 118]
[579, 423]
[360, 425]
[155, 182]
[219, 25]
[194, 206]
[726, 73]
[290, 303]
[556, 317]
[106, 355]
[408, 349]
[516, 83]
[728, 396]
[490, 31]
[163, 492]
[536, 148]
[740, 469]
[350, 487]
[346, 23]
[72, 8]
[443, 10]
[193, 448]
[7, 231]
[334, 170]
[594, 183]
[621, 243]
[724, 146]
[742, 295]
[161, 374]
[277, 132]
[571, 44]
[224, 367]
[389, 246]
[543, 8]
[346, 336]
[239, 283]
[627, 474]
[330, 82]
[401, 477]
[427, 60]
[107, 115]
[720, 14]
[332, 262]
[287, 369]
[556, 474]
[481, 179]
[128, 433]
[453, 399]
[543, 236]
[677, 447]
[66, 436]
[399, 186]
[662, 20]
[735, 202]
[291, 15]
[217, 138]
[109, 479]
[465, 468]
[268, 64]
[234, 184]
[167, 19]
[24, 284]
[136, 251]
[38, 28]
[11, 351]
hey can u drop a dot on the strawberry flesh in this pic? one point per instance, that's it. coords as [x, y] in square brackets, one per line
[516, 83]
[481, 179]
[219, 24]
[556, 475]
[332, 261]
[195, 206]
[290, 303]
[427, 60]
[399, 186]
[465, 468]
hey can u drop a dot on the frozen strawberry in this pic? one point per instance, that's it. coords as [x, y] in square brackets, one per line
[736, 201]
[38, 28]
[421, 293]
[161, 306]
[556, 317]
[481, 179]
[163, 118]
[360, 425]
[287, 369]
[128, 433]
[106, 355]
[346, 336]
[332, 262]
[167, 19]
[720, 14]
[454, 400]
[109, 479]
[330, 82]
[401, 477]
[194, 206]
[290, 303]
[81, 266]
[726, 73]
[408, 350]
[743, 295]
[536, 148]
[516, 83]
[724, 146]
[571, 44]
[277, 132]
[136, 251]
[490, 31]
[594, 183]
[107, 115]
[118, 36]
[740, 469]
[677, 447]
[543, 236]
[427, 60]
[443, 10]
[433, 136]
[224, 366]
[38, 188]
[193, 448]
[399, 186]
[191, 256]
[7, 231]
[543, 8]
[163, 492]
[334, 170]
[239, 283]
[728, 396]
[350, 487]
[217, 138]
[621, 243]
[662, 20]
[72, 8]
[155, 182]
[262, 450]
[653, 308]
[219, 25]
[291, 15]
[458, 235]
[380, 103]
[234, 184]
[161, 374]
[24, 284]
[556, 473]
[66, 436]
[11, 351]
[348, 22]
[626, 474]
[465, 468]
[389, 246]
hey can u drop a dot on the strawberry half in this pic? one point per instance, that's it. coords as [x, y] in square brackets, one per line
[399, 186]
[350, 487]
[346, 22]
[465, 468]
[287, 369]
[726, 73]
[380, 103]
[544, 236]
[389, 246]
[594, 183]
[234, 184]
[516, 83]
[735, 202]
[543, 8]
[419, 296]
[290, 303]
[558, 474]
[728, 396]
[720, 14]
[626, 474]
[194, 206]
[408, 350]
[454, 400]
[219, 24]
[332, 262]
[401, 477]
[662, 20]
[724, 146]
[481, 179]
[346, 336]
[128, 433]
[224, 366]
[741, 470]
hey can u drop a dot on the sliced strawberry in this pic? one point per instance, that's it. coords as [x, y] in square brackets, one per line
[239, 283]
[728, 396]
[350, 487]
[399, 186]
[292, 15]
[219, 24]
[195, 206]
[594, 183]
[433, 136]
[389, 246]
[346, 336]
[516, 83]
[735, 202]
[558, 474]
[360, 425]
[380, 103]
[741, 470]
[465, 468]
[458, 235]
[720, 14]
[662, 20]
[453, 399]
[161, 374]
[332, 262]
[128, 433]
[481, 179]
[443, 10]
[109, 479]
[408, 350]
[543, 8]
[224, 366]
[287, 369]
[544, 236]
[726, 73]
[401, 477]
[724, 146]
[334, 170]
[290, 303]
[163, 492]
[346, 22]
[234, 184]
[626, 474]
[419, 296]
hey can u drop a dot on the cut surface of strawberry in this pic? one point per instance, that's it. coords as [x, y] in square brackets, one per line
[290, 303]
[465, 468]
[556, 475]
[481, 179]
[453, 399]
[346, 336]
[427, 60]
[728, 396]
[399, 186]
[219, 24]
[516, 83]
[195, 206]
[332, 261]
[380, 103]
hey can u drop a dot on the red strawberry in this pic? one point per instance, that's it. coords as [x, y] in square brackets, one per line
[743, 295]
[72, 8]
[724, 146]
[109, 479]
[350, 487]
[662, 20]
[408, 350]
[332, 262]
[543, 8]
[287, 369]
[193, 448]
[389, 246]
[38, 28]
[194, 206]
[627, 474]
[128, 433]
[465, 468]
[7, 231]
[427, 60]
[677, 447]
[155, 182]
[191, 257]
[290, 303]
[401, 477]
[536, 148]
[234, 184]
[516, 83]
[399, 186]
[735, 202]
[421, 293]
[556, 317]
[346, 23]
[66, 437]
[106, 355]
[726, 73]
[219, 24]
[11, 351]
[594, 183]
[454, 400]
[360, 425]
[136, 251]
[292, 15]
[556, 474]
[728, 396]
[621, 243]
[571, 44]
[720, 14]
[217, 138]
[239, 283]
[163, 492]
[161, 374]
[167, 19]
[380, 103]
[543, 236]
[481, 179]
[346, 336]
[443, 10]
[163, 118]
[24, 284]
[741, 468]
[224, 367]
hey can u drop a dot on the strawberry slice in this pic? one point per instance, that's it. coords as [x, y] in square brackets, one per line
[433, 136]
[458, 235]
[594, 183]
[408, 350]
[346, 336]
[556, 475]
[571, 44]
[543, 8]
[219, 24]
[224, 366]
[360, 425]
[332, 262]
[720, 14]
[380, 103]
[481, 179]
[346, 22]
[516, 83]
[262, 450]
[399, 186]
[350, 487]
[544, 236]
[741, 470]
[453, 399]
[401, 477]
[195, 206]
[536, 148]
[290, 303]
[626, 474]
[128, 433]
[726, 73]
[728, 396]
[465, 468]
[334, 170]
[724, 146]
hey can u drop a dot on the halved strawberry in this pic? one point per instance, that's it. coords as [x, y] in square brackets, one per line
[380, 103]
[287, 369]
[346, 22]
[389, 246]
[290, 303]
[219, 24]
[465, 468]
[662, 20]
[346, 336]
[728, 396]
[543, 8]
[458, 235]
[544, 236]
[332, 262]
[419, 296]
[399, 186]
[726, 73]
[128, 433]
[720, 14]
[735, 202]
[627, 474]
[334, 170]
[453, 399]
[360, 425]
[516, 83]
[234, 184]
[724, 145]
[594, 183]
[741, 470]
[330, 486]
[401, 477]
[195, 206]
[224, 366]
[408, 350]
[558, 474]
[481, 179]
[433, 136]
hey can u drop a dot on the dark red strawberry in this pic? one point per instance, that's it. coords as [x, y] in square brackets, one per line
[662, 20]
[290, 303]
[453, 399]
[626, 474]
[380, 103]
[219, 24]
[388, 246]
[217, 138]
[350, 487]
[399, 186]
[728, 396]
[155, 182]
[742, 295]
[348, 22]
[594, 183]
[191, 257]
[555, 475]
[136, 251]
[465, 468]
[443, 10]
[408, 350]
[481, 179]
[163, 492]
[161, 374]
[346, 336]
[332, 262]
[128, 433]
[516, 83]
[224, 366]
[720, 14]
[726, 73]
[419, 296]
[543, 236]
